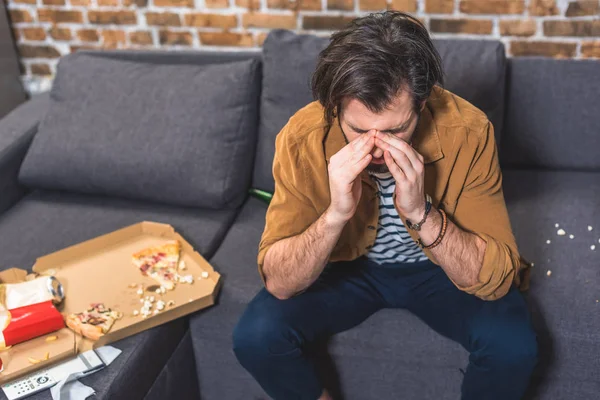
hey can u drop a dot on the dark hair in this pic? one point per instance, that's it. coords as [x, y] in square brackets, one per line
[372, 59]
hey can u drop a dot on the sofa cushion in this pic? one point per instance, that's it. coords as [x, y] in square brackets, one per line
[474, 70]
[552, 118]
[176, 134]
[564, 305]
[211, 329]
[45, 221]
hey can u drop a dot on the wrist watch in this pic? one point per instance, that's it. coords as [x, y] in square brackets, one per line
[418, 225]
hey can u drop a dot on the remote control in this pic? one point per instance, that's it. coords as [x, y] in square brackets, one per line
[29, 385]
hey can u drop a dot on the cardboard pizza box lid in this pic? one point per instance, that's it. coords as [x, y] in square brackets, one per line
[13, 275]
[100, 270]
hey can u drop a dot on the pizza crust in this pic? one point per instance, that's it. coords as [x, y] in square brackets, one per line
[94, 322]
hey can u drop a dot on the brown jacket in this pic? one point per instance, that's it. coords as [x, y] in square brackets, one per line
[462, 175]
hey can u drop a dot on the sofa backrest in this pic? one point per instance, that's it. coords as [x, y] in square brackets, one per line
[552, 114]
[175, 128]
[474, 70]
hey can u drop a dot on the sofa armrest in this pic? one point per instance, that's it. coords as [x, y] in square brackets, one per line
[16, 132]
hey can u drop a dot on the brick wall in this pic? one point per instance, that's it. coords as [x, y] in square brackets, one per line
[46, 29]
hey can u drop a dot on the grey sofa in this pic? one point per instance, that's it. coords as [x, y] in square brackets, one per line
[548, 133]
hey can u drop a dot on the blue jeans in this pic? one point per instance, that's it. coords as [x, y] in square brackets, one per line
[270, 337]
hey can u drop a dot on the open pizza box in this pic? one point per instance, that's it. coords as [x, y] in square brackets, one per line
[100, 270]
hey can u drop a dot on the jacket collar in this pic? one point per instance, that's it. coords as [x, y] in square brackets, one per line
[426, 139]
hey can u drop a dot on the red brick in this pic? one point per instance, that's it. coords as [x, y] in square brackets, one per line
[439, 6]
[16, 34]
[226, 39]
[372, 5]
[17, 16]
[325, 22]
[174, 3]
[76, 48]
[583, 7]
[60, 33]
[80, 2]
[112, 17]
[492, 6]
[590, 49]
[58, 16]
[305, 5]
[34, 33]
[260, 38]
[572, 28]
[113, 39]
[404, 5]
[24, 1]
[249, 4]
[546, 49]
[216, 3]
[29, 51]
[163, 19]
[40, 69]
[211, 20]
[472, 26]
[543, 7]
[54, 2]
[141, 38]
[258, 20]
[518, 27]
[88, 35]
[175, 38]
[137, 3]
[343, 5]
[108, 3]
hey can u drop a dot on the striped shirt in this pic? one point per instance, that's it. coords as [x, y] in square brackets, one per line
[393, 243]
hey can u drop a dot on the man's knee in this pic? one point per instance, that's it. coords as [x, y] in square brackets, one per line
[508, 343]
[260, 334]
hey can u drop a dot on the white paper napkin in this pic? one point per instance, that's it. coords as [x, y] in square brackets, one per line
[71, 389]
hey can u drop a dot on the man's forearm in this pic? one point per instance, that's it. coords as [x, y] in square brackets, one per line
[460, 254]
[293, 264]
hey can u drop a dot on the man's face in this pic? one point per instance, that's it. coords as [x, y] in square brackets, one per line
[399, 119]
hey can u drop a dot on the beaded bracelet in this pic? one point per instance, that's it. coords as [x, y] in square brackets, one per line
[441, 235]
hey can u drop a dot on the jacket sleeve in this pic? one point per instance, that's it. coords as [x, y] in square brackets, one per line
[481, 209]
[290, 212]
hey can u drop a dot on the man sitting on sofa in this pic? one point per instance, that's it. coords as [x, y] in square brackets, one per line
[388, 194]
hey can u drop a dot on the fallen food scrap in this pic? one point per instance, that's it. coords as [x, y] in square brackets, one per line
[590, 228]
[51, 338]
[561, 232]
[33, 360]
[549, 273]
[571, 237]
[548, 241]
[593, 247]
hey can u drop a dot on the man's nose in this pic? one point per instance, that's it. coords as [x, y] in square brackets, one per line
[376, 152]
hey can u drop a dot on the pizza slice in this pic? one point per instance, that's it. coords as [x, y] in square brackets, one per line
[93, 322]
[160, 263]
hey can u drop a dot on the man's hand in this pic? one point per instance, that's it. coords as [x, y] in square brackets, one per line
[344, 176]
[408, 170]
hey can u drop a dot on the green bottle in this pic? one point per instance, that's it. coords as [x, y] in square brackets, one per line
[261, 195]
